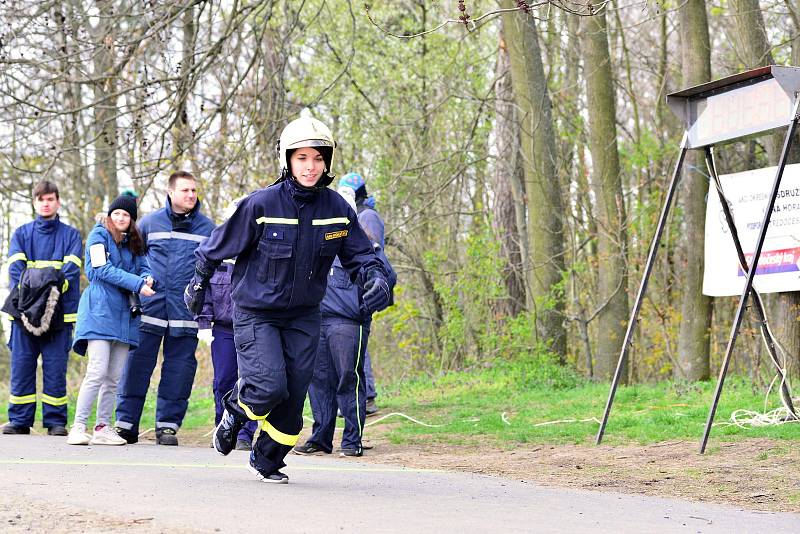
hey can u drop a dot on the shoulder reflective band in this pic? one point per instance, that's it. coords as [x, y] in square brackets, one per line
[54, 401]
[334, 220]
[19, 256]
[276, 220]
[24, 399]
[74, 259]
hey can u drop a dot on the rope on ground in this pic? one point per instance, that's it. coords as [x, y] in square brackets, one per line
[399, 414]
[588, 420]
[505, 419]
[753, 419]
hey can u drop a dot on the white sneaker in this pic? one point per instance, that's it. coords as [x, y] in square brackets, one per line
[77, 435]
[105, 435]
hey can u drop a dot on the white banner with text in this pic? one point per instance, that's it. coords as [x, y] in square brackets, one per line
[747, 194]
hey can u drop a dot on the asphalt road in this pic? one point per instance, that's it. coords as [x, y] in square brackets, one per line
[187, 489]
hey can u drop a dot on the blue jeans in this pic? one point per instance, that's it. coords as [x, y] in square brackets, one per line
[339, 382]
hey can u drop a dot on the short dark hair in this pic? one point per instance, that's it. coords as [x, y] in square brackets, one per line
[179, 174]
[45, 187]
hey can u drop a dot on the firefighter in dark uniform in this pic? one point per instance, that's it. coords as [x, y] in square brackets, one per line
[285, 238]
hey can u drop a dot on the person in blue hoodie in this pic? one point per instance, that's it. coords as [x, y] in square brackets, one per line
[284, 239]
[108, 317]
[339, 380]
[43, 247]
[171, 235]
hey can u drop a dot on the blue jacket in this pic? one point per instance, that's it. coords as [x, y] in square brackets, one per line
[284, 239]
[218, 306]
[49, 243]
[171, 240]
[104, 312]
[372, 223]
[343, 297]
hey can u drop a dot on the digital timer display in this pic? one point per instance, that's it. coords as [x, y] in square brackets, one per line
[738, 106]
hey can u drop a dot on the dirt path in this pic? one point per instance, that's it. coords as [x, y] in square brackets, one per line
[756, 474]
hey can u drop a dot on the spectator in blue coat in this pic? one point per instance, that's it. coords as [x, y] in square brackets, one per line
[43, 248]
[171, 235]
[373, 226]
[107, 325]
[339, 380]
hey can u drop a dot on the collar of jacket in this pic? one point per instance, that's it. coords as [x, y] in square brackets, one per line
[300, 194]
[180, 217]
[46, 226]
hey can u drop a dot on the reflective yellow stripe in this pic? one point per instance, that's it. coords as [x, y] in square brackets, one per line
[250, 413]
[65, 286]
[74, 259]
[25, 399]
[358, 379]
[280, 437]
[41, 264]
[70, 317]
[334, 220]
[276, 220]
[54, 401]
[19, 256]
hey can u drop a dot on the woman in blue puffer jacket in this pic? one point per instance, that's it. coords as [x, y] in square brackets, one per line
[108, 323]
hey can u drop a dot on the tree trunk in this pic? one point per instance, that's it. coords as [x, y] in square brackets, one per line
[105, 109]
[612, 284]
[545, 212]
[695, 322]
[754, 51]
[509, 215]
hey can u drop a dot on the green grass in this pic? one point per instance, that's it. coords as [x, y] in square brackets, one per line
[471, 405]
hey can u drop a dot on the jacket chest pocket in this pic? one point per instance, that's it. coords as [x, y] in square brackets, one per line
[275, 260]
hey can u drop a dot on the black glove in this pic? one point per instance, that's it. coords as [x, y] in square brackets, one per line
[376, 292]
[194, 296]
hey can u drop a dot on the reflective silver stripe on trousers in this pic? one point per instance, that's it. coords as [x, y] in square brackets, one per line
[175, 235]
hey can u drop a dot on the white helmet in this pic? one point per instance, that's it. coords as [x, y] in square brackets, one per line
[307, 132]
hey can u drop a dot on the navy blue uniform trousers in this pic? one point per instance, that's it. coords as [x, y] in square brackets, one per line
[276, 360]
[177, 377]
[339, 382]
[25, 350]
[226, 372]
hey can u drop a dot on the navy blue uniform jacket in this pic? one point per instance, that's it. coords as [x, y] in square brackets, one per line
[284, 240]
[171, 240]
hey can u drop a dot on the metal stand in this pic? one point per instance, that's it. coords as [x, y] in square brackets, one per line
[745, 294]
[751, 273]
[651, 258]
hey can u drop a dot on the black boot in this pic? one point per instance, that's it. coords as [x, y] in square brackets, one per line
[166, 436]
[228, 428]
[8, 428]
[128, 435]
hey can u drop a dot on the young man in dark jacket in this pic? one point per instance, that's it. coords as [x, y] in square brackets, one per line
[171, 234]
[39, 250]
